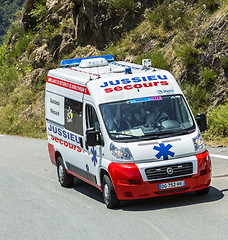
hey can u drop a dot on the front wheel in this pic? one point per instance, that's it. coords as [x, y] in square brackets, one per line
[109, 194]
[65, 179]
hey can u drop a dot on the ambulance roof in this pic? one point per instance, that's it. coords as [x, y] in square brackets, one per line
[109, 81]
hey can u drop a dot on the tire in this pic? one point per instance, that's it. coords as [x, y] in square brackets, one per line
[65, 179]
[203, 191]
[109, 194]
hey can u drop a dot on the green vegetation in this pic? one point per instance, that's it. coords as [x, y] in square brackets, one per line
[198, 97]
[121, 4]
[208, 76]
[187, 54]
[217, 121]
[177, 18]
[171, 16]
[157, 59]
[38, 12]
[8, 9]
[17, 98]
[166, 35]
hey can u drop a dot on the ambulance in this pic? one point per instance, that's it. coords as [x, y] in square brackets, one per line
[124, 128]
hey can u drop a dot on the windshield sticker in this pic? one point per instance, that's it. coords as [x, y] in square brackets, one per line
[163, 151]
[69, 115]
[147, 99]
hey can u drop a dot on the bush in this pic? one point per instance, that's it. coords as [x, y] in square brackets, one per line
[210, 5]
[197, 97]
[8, 81]
[122, 4]
[157, 59]
[208, 76]
[187, 53]
[38, 12]
[217, 121]
[170, 17]
[224, 62]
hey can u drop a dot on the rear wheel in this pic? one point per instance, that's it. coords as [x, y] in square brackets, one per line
[203, 191]
[109, 194]
[65, 179]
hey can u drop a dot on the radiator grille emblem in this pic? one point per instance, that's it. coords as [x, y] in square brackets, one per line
[169, 170]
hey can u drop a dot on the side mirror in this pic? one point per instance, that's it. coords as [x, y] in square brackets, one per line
[93, 137]
[201, 120]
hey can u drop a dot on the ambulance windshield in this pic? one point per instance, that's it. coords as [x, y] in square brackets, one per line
[147, 118]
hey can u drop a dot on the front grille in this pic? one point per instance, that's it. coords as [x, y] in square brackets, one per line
[181, 169]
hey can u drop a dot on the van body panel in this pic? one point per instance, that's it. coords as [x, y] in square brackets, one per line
[147, 160]
[158, 150]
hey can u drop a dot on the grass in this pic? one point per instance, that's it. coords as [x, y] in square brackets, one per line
[121, 4]
[157, 59]
[198, 97]
[22, 106]
[218, 125]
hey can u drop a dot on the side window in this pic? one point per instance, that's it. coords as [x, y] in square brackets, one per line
[91, 118]
[73, 116]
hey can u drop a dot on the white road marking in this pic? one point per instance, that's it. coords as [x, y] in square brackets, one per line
[156, 229]
[219, 156]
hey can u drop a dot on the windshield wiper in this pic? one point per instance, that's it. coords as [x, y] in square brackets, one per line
[151, 136]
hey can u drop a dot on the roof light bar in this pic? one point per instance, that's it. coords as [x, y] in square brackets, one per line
[76, 61]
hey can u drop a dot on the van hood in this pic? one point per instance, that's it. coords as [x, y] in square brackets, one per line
[162, 149]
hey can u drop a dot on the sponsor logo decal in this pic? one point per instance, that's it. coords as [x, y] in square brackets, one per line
[55, 112]
[63, 134]
[53, 101]
[68, 85]
[65, 144]
[163, 151]
[166, 92]
[135, 83]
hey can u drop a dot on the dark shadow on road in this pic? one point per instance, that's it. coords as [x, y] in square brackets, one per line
[224, 190]
[88, 190]
[172, 201]
[157, 203]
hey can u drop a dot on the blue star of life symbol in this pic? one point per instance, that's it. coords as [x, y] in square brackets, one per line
[94, 157]
[163, 151]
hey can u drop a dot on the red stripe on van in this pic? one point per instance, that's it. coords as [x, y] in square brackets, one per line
[68, 85]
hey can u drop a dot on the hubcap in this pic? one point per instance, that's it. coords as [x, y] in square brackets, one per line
[61, 174]
[106, 191]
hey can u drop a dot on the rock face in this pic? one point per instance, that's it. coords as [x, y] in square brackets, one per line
[67, 24]
[215, 51]
[79, 22]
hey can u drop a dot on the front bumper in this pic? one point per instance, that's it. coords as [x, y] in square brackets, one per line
[129, 184]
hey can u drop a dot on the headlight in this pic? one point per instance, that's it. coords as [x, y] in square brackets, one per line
[199, 143]
[121, 152]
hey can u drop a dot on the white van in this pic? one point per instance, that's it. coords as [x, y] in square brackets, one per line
[125, 129]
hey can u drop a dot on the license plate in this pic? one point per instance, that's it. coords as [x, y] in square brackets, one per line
[171, 185]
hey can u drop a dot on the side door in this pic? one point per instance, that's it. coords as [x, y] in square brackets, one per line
[72, 136]
[94, 154]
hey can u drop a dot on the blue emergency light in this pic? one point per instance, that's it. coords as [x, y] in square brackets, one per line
[76, 61]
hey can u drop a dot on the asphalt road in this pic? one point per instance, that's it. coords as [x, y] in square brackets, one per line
[33, 205]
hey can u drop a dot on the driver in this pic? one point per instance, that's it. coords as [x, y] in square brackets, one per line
[156, 115]
[124, 118]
